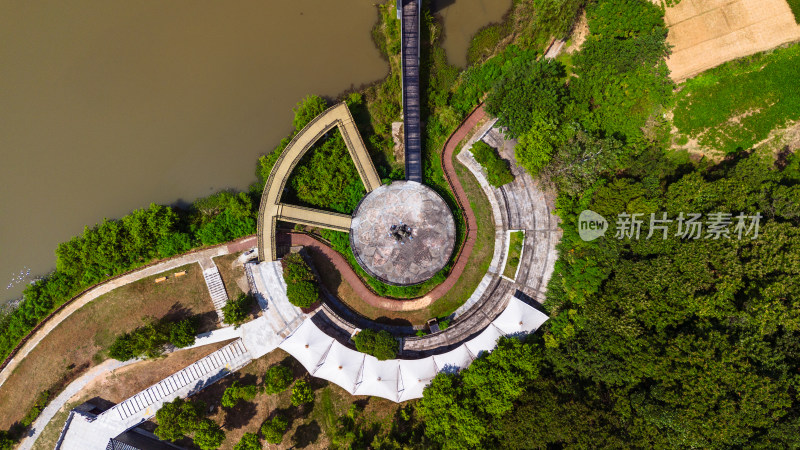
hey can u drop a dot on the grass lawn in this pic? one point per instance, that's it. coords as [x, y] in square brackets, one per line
[736, 105]
[81, 340]
[122, 384]
[514, 252]
[310, 426]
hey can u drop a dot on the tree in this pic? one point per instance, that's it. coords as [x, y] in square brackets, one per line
[529, 89]
[302, 294]
[249, 441]
[182, 333]
[178, 418]
[6, 441]
[208, 435]
[306, 110]
[277, 379]
[236, 312]
[273, 430]
[380, 344]
[236, 392]
[302, 393]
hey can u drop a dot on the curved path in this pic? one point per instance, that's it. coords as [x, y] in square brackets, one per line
[49, 324]
[390, 304]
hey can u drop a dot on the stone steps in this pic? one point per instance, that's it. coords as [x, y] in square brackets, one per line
[216, 288]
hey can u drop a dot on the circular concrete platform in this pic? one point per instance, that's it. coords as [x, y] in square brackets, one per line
[419, 245]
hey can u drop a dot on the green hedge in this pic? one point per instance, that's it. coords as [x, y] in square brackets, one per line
[498, 171]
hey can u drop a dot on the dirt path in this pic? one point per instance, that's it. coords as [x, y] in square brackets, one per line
[90, 294]
[389, 304]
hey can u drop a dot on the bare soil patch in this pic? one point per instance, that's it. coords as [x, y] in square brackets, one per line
[707, 33]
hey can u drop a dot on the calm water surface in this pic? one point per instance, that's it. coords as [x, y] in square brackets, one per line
[462, 19]
[110, 105]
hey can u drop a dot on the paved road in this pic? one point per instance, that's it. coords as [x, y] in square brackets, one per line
[108, 286]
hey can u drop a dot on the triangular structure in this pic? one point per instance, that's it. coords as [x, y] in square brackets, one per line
[484, 342]
[342, 366]
[415, 374]
[519, 317]
[308, 344]
[453, 361]
[380, 378]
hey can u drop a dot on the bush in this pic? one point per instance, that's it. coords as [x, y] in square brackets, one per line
[235, 312]
[302, 393]
[149, 340]
[182, 334]
[380, 344]
[497, 168]
[249, 441]
[301, 286]
[274, 429]
[277, 379]
[236, 392]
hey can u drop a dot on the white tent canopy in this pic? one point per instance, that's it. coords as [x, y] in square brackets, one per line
[453, 361]
[415, 374]
[342, 366]
[308, 344]
[484, 342]
[400, 379]
[380, 378]
[518, 317]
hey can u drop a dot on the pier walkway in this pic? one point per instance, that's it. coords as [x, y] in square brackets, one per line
[412, 128]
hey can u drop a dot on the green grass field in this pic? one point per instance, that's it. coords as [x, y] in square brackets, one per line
[736, 105]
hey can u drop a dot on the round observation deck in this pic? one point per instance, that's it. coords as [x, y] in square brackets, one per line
[402, 233]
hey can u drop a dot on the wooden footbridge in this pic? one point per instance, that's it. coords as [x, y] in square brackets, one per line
[409, 11]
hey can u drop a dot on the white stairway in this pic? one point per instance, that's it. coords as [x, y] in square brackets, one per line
[219, 297]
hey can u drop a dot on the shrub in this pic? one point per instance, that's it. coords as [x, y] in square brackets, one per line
[301, 287]
[302, 393]
[274, 429]
[380, 344]
[235, 312]
[249, 441]
[497, 168]
[277, 379]
[236, 392]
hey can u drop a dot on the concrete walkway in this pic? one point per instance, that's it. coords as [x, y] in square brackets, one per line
[104, 288]
[271, 209]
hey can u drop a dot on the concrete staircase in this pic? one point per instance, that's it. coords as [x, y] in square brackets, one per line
[185, 382]
[219, 297]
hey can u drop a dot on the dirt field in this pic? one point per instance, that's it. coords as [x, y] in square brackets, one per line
[706, 33]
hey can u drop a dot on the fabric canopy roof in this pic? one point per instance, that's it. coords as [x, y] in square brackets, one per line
[341, 366]
[519, 317]
[308, 344]
[380, 378]
[484, 342]
[453, 361]
[415, 374]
